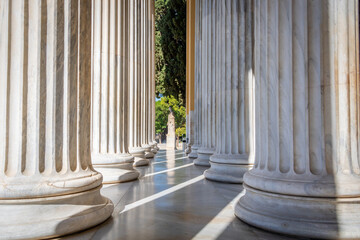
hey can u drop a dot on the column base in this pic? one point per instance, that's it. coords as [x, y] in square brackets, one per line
[115, 168]
[139, 155]
[156, 146]
[194, 152]
[104, 159]
[140, 162]
[117, 175]
[53, 216]
[227, 168]
[326, 218]
[203, 158]
[148, 152]
[153, 148]
[188, 149]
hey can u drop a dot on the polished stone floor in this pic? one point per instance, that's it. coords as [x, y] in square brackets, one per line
[172, 200]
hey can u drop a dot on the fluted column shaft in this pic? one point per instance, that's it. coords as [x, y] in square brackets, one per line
[45, 161]
[208, 82]
[190, 64]
[110, 92]
[151, 74]
[135, 106]
[307, 120]
[197, 82]
[234, 91]
[145, 79]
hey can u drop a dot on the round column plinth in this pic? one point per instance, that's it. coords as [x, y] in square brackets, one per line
[154, 149]
[105, 159]
[139, 155]
[326, 218]
[124, 166]
[115, 168]
[117, 175]
[148, 152]
[194, 152]
[48, 184]
[53, 216]
[156, 145]
[188, 149]
[203, 158]
[227, 168]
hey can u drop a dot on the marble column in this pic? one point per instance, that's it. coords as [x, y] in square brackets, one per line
[306, 177]
[110, 154]
[197, 82]
[145, 79]
[135, 106]
[151, 74]
[48, 187]
[153, 143]
[208, 83]
[234, 91]
[190, 60]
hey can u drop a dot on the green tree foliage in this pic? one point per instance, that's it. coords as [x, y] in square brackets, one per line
[161, 115]
[162, 112]
[171, 48]
[159, 57]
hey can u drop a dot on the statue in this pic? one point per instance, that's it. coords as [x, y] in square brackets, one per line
[171, 136]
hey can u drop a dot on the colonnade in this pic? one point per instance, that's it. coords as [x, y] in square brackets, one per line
[233, 91]
[123, 88]
[307, 114]
[224, 89]
[276, 89]
[77, 93]
[287, 106]
[208, 82]
[110, 154]
[137, 84]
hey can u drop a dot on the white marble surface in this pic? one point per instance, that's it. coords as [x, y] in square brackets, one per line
[47, 181]
[233, 90]
[306, 178]
[173, 203]
[195, 116]
[137, 80]
[207, 83]
[110, 98]
[145, 70]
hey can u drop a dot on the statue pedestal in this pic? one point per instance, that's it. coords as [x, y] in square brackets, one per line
[170, 142]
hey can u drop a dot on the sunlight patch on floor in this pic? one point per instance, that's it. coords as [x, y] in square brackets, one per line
[169, 160]
[169, 170]
[162, 193]
[220, 222]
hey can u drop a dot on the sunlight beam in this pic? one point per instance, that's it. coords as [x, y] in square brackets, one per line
[169, 170]
[220, 222]
[168, 155]
[161, 194]
[176, 159]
